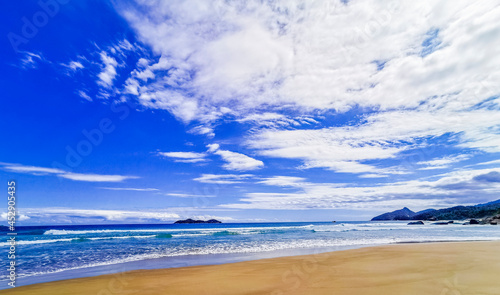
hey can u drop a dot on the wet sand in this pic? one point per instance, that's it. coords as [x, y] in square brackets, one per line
[420, 269]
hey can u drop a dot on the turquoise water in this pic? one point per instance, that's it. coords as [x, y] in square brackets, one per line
[59, 252]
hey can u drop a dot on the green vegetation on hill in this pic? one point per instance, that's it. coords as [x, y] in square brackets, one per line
[461, 212]
[453, 213]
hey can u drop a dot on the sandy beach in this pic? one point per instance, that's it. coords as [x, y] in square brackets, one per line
[434, 268]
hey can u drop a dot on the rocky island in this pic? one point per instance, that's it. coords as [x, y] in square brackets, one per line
[189, 220]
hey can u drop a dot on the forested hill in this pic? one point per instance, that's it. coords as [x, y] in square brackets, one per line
[461, 212]
[453, 213]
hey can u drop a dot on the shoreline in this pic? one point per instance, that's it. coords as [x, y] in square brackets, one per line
[172, 262]
[402, 268]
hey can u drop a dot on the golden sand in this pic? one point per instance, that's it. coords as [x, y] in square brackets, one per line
[420, 269]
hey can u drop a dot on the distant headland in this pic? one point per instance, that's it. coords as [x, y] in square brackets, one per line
[189, 220]
[489, 213]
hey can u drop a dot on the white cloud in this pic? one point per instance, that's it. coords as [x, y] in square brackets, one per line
[95, 177]
[223, 178]
[34, 170]
[21, 217]
[383, 135]
[373, 175]
[208, 217]
[425, 69]
[238, 162]
[284, 181]
[121, 47]
[317, 55]
[179, 195]
[494, 162]
[235, 161]
[31, 60]
[61, 215]
[455, 188]
[130, 189]
[71, 215]
[282, 64]
[213, 147]
[84, 95]
[131, 86]
[31, 169]
[340, 149]
[442, 163]
[261, 117]
[200, 130]
[185, 157]
[74, 65]
[108, 73]
[416, 71]
[275, 120]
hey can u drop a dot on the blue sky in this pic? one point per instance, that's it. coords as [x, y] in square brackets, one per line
[131, 112]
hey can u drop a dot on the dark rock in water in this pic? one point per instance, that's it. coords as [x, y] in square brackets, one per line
[189, 220]
[451, 221]
[416, 223]
[493, 220]
[473, 221]
[440, 223]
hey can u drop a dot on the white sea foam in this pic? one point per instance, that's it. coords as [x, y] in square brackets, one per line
[168, 230]
[21, 242]
[197, 232]
[345, 227]
[46, 241]
[179, 233]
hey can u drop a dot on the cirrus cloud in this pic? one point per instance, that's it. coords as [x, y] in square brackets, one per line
[87, 177]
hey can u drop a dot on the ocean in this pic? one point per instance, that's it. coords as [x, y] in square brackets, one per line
[48, 253]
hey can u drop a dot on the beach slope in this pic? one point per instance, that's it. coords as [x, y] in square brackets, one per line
[434, 268]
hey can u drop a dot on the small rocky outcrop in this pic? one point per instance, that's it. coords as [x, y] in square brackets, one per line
[189, 221]
[416, 223]
[493, 220]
